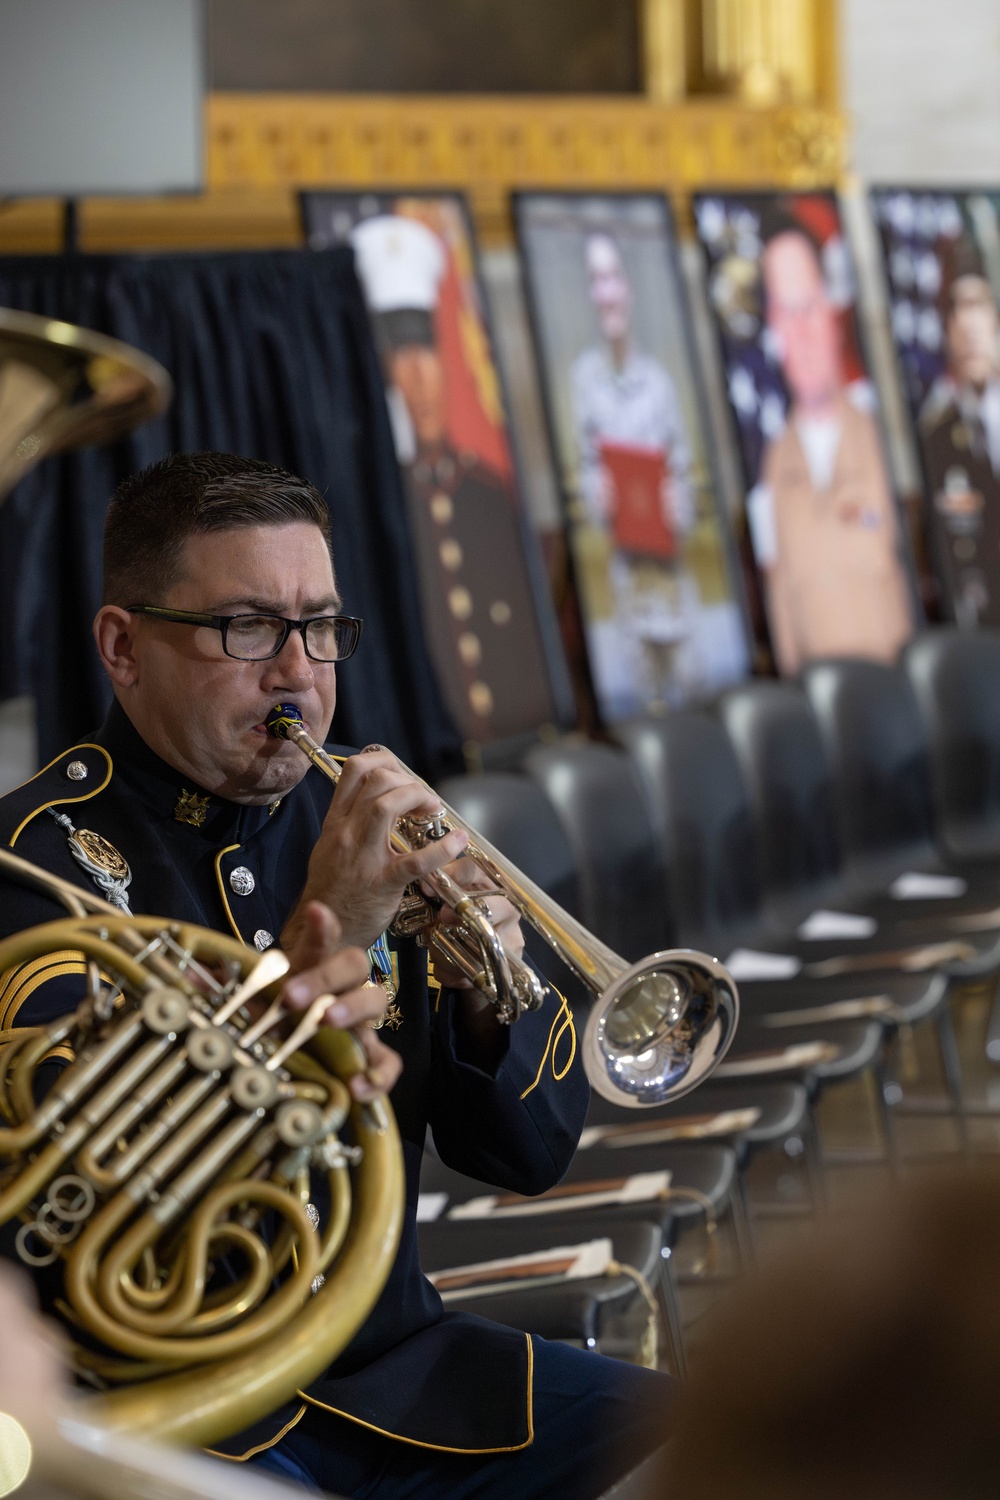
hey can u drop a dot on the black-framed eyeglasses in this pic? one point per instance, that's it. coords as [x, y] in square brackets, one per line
[259, 637]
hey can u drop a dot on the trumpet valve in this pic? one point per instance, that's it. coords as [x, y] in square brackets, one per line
[416, 913]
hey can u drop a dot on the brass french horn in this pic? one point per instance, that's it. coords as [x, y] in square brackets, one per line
[657, 1028]
[183, 1130]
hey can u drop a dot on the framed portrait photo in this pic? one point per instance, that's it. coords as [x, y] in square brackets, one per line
[659, 586]
[826, 533]
[941, 251]
[487, 609]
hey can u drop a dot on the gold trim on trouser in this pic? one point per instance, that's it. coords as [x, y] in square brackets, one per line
[241, 1458]
[440, 1447]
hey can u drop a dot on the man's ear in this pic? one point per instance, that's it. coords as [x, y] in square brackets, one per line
[114, 633]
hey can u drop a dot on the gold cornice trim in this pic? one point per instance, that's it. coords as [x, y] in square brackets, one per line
[262, 147]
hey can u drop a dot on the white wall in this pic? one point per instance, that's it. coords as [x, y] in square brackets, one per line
[921, 80]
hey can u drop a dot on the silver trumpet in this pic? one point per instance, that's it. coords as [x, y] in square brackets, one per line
[658, 1027]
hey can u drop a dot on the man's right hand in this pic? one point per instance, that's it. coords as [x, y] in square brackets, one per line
[353, 869]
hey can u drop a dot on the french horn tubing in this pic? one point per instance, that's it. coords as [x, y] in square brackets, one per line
[656, 1029]
[184, 1130]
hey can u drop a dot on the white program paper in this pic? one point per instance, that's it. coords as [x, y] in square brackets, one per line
[486, 1278]
[915, 885]
[642, 1187]
[747, 964]
[828, 926]
[430, 1206]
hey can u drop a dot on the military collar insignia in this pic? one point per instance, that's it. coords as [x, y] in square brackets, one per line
[100, 859]
[191, 808]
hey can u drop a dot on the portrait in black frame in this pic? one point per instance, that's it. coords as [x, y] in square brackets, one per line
[660, 590]
[826, 533]
[941, 254]
[487, 606]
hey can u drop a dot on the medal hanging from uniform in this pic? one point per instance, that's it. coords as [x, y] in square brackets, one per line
[102, 862]
[380, 961]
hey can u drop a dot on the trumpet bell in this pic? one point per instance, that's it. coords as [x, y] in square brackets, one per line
[660, 1028]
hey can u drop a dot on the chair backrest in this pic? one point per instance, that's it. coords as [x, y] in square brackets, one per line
[956, 677]
[877, 746]
[780, 749]
[514, 814]
[694, 783]
[598, 798]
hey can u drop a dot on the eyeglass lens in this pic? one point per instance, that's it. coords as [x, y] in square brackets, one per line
[256, 637]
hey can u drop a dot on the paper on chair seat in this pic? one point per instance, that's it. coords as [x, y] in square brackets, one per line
[642, 1187]
[430, 1206]
[828, 926]
[746, 964]
[537, 1268]
[915, 885]
[659, 1132]
[778, 1060]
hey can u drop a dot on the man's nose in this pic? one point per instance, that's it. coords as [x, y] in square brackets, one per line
[291, 668]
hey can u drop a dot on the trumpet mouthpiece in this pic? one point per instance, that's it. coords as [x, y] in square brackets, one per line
[282, 719]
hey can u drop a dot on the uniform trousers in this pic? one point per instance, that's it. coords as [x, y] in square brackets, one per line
[595, 1419]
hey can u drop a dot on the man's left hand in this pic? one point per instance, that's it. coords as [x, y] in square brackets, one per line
[504, 916]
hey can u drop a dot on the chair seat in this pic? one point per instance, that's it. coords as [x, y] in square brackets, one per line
[913, 997]
[781, 1109]
[708, 1170]
[897, 932]
[567, 1310]
[760, 1051]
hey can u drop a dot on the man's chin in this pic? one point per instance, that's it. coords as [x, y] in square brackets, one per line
[272, 769]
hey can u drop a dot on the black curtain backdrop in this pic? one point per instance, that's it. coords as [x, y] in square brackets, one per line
[271, 357]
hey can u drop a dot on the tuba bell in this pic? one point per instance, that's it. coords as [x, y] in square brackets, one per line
[657, 1028]
[63, 387]
[185, 1129]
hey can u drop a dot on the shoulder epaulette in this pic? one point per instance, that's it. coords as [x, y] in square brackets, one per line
[77, 775]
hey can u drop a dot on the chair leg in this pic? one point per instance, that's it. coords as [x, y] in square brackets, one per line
[742, 1223]
[886, 1123]
[993, 1027]
[814, 1164]
[951, 1064]
[666, 1296]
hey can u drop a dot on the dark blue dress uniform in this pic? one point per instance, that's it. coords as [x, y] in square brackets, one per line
[418, 1389]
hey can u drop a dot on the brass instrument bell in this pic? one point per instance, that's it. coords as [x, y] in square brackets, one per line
[64, 387]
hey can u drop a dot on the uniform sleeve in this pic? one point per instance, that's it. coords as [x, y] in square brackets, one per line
[39, 990]
[518, 1127]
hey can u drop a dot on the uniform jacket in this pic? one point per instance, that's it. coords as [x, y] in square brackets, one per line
[837, 585]
[480, 614]
[963, 515]
[414, 1371]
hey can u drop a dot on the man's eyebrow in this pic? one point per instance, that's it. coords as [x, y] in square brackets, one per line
[328, 604]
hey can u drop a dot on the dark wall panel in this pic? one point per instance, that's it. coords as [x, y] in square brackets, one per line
[588, 46]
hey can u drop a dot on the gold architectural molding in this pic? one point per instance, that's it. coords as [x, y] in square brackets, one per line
[262, 147]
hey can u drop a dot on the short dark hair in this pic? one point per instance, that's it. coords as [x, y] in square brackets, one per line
[153, 513]
[959, 258]
[776, 221]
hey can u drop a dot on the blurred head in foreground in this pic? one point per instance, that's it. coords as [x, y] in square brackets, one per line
[865, 1366]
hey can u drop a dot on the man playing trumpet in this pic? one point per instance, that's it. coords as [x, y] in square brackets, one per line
[220, 604]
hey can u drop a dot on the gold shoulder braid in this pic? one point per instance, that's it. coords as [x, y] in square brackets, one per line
[106, 867]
